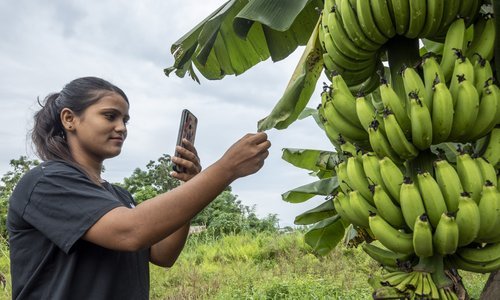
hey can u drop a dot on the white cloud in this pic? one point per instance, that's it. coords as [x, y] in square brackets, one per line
[47, 44]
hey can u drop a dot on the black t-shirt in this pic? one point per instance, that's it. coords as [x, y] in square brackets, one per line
[51, 208]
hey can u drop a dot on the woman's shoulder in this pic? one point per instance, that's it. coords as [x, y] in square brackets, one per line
[58, 167]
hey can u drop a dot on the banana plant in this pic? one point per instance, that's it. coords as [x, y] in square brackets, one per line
[242, 33]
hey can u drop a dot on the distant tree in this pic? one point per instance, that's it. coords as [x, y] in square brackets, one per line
[156, 179]
[226, 214]
[7, 184]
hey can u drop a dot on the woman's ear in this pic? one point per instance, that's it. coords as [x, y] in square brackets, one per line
[67, 119]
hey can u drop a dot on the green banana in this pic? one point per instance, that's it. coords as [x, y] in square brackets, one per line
[413, 83]
[432, 73]
[435, 14]
[485, 254]
[379, 143]
[366, 113]
[389, 236]
[400, 11]
[488, 114]
[392, 101]
[463, 69]
[343, 126]
[470, 175]
[445, 237]
[382, 17]
[468, 219]
[339, 208]
[450, 13]
[361, 207]
[412, 205]
[351, 76]
[392, 177]
[454, 40]
[442, 112]
[345, 61]
[342, 40]
[353, 28]
[484, 43]
[462, 264]
[432, 197]
[489, 211]
[385, 257]
[466, 110]
[421, 123]
[345, 104]
[342, 178]
[386, 207]
[487, 170]
[418, 14]
[422, 237]
[483, 73]
[353, 217]
[449, 183]
[357, 177]
[371, 167]
[492, 153]
[395, 134]
[367, 22]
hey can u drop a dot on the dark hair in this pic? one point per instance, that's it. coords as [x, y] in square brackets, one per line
[48, 135]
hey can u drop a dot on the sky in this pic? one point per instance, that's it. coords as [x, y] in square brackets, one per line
[46, 44]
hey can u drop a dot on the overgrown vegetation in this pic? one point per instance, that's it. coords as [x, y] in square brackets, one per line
[239, 256]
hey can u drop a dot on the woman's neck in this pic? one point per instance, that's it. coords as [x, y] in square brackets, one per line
[92, 168]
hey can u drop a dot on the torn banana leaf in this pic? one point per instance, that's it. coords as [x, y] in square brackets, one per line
[313, 160]
[303, 193]
[240, 34]
[321, 212]
[300, 87]
[325, 235]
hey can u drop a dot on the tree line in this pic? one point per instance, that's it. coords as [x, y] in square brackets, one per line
[225, 215]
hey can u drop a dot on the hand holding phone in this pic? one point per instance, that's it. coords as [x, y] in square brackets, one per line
[187, 130]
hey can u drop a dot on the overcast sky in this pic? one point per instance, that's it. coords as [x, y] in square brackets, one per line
[45, 44]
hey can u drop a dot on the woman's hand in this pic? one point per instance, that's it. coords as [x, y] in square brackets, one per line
[189, 161]
[246, 156]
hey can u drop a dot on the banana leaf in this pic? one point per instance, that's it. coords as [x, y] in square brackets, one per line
[325, 235]
[240, 34]
[311, 112]
[309, 159]
[322, 187]
[321, 212]
[299, 89]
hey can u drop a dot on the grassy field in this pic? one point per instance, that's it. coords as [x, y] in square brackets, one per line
[265, 266]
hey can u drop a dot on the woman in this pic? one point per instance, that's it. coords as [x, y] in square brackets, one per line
[75, 236]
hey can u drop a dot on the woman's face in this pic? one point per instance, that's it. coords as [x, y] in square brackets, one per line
[99, 132]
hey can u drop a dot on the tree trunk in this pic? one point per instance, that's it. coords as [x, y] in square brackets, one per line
[492, 288]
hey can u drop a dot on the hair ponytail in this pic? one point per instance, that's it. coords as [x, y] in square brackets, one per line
[48, 134]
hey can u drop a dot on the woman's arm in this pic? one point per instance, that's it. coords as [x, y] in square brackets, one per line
[153, 220]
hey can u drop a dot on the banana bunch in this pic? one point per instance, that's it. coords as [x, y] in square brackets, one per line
[439, 214]
[449, 210]
[353, 32]
[414, 285]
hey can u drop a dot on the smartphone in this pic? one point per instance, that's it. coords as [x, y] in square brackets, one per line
[187, 130]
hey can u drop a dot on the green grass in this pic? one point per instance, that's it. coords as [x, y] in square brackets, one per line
[263, 266]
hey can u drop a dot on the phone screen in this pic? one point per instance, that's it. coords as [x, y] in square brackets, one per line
[187, 130]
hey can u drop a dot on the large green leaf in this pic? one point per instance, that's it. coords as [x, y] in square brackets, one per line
[242, 33]
[303, 193]
[325, 235]
[309, 159]
[321, 212]
[299, 89]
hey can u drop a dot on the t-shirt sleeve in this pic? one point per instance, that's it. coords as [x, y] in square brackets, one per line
[65, 204]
